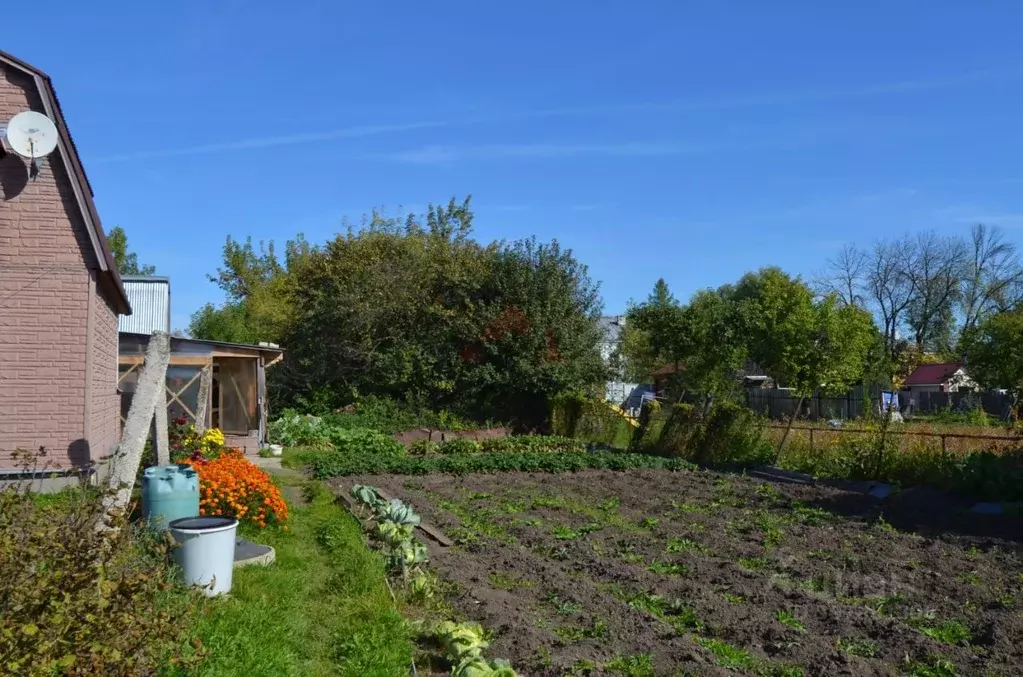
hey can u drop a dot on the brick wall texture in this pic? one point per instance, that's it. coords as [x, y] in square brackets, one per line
[47, 285]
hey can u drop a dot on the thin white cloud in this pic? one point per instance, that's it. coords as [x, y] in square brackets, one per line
[270, 141]
[439, 154]
[749, 140]
[767, 99]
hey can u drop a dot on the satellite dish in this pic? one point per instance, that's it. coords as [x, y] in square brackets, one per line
[31, 135]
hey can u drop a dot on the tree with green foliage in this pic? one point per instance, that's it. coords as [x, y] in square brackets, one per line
[803, 343]
[418, 311]
[127, 261]
[716, 347]
[703, 340]
[255, 283]
[662, 321]
[993, 352]
[634, 357]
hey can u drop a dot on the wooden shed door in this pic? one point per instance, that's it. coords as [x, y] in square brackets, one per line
[237, 391]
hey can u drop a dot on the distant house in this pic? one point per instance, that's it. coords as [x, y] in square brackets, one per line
[60, 294]
[946, 377]
[616, 390]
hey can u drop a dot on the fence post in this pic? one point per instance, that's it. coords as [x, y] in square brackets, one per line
[943, 445]
[811, 441]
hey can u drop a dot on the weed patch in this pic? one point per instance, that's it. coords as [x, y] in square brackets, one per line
[727, 655]
[637, 665]
[676, 545]
[947, 632]
[863, 648]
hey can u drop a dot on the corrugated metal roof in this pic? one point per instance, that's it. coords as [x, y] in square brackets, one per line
[271, 348]
[150, 304]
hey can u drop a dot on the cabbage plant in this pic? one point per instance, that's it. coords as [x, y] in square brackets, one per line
[479, 667]
[394, 534]
[396, 511]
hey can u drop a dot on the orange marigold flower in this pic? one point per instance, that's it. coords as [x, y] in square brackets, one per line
[232, 486]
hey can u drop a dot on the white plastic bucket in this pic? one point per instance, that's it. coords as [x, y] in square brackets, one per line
[205, 551]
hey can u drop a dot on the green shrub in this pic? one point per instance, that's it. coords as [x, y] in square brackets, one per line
[551, 444]
[390, 416]
[460, 446]
[678, 431]
[589, 419]
[729, 434]
[855, 456]
[423, 447]
[373, 413]
[974, 417]
[332, 464]
[364, 442]
[293, 429]
[80, 601]
[651, 423]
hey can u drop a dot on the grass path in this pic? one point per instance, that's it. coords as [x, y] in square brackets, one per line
[322, 609]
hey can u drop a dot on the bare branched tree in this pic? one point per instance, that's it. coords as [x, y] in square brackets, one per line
[927, 286]
[935, 271]
[889, 290]
[993, 279]
[844, 276]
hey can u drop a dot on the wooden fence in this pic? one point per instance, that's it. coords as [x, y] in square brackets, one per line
[860, 402]
[950, 441]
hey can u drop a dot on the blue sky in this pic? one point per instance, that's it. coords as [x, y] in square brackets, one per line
[689, 140]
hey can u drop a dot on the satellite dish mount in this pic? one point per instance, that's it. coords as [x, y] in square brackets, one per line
[33, 136]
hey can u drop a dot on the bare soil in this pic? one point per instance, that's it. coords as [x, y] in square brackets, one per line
[715, 574]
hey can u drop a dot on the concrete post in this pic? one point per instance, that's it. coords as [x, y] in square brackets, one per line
[162, 440]
[152, 382]
[205, 383]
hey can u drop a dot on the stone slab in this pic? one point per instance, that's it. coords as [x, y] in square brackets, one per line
[246, 552]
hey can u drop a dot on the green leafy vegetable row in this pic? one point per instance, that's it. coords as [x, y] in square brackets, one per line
[463, 643]
[395, 524]
[549, 444]
[335, 464]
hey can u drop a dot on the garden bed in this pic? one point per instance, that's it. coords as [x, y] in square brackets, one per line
[649, 572]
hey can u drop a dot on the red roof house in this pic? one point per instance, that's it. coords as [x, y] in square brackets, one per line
[939, 378]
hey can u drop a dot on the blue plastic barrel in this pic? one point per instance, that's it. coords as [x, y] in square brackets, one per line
[169, 492]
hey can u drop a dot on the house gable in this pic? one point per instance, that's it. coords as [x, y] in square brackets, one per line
[24, 87]
[60, 295]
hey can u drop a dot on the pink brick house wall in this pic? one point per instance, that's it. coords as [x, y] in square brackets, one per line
[58, 298]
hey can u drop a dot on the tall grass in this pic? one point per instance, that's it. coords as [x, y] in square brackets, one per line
[960, 439]
[989, 469]
[322, 609]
